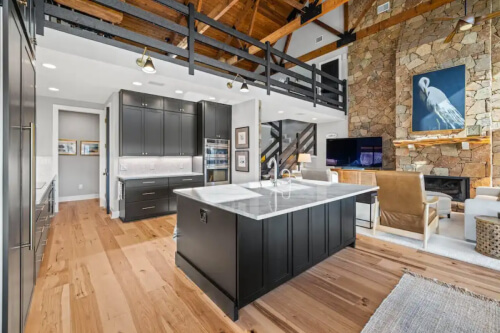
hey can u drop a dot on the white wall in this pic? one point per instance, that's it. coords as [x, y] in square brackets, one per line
[338, 127]
[3, 270]
[114, 146]
[247, 114]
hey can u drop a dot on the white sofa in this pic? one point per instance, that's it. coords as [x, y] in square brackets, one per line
[486, 202]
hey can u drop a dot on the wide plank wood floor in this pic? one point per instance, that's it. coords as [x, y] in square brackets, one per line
[102, 275]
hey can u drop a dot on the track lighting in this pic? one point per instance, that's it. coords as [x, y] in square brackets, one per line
[244, 86]
[146, 63]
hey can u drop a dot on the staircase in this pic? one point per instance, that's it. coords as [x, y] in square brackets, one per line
[285, 149]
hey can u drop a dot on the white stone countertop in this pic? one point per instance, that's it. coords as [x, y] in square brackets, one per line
[159, 175]
[260, 200]
[40, 192]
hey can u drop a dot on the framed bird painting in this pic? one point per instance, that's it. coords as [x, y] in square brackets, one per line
[439, 101]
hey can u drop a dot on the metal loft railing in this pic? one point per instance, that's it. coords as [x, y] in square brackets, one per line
[276, 145]
[306, 86]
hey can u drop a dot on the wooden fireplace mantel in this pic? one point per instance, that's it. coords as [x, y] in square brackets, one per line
[441, 141]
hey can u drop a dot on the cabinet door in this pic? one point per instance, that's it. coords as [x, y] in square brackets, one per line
[153, 102]
[189, 107]
[132, 98]
[279, 249]
[334, 227]
[132, 131]
[172, 127]
[189, 134]
[223, 121]
[319, 233]
[172, 104]
[210, 120]
[348, 220]
[153, 132]
[301, 241]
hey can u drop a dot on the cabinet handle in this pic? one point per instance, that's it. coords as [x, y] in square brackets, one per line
[149, 193]
[149, 182]
[22, 2]
[146, 104]
[151, 207]
[185, 180]
[146, 153]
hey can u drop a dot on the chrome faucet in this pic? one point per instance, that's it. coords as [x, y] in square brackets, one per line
[269, 165]
[289, 175]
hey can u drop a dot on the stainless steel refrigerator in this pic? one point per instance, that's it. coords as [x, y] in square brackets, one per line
[19, 174]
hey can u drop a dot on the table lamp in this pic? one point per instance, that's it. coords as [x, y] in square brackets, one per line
[304, 158]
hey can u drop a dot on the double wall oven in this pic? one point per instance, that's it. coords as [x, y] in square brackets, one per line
[217, 161]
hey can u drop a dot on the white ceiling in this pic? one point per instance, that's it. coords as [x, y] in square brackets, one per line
[91, 71]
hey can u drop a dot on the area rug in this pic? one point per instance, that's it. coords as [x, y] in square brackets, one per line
[419, 304]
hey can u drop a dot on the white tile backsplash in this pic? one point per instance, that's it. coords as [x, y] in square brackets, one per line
[154, 165]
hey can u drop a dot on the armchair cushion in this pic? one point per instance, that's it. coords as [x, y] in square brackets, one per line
[317, 174]
[405, 221]
[490, 191]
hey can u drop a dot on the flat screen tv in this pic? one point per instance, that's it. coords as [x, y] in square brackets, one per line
[354, 152]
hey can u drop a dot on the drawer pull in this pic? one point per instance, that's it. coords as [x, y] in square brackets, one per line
[151, 207]
[149, 193]
[150, 182]
[187, 179]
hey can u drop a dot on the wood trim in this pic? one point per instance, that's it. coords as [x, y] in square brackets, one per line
[328, 28]
[94, 9]
[363, 13]
[295, 4]
[442, 141]
[392, 21]
[287, 29]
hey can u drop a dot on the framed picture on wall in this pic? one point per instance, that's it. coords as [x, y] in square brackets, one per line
[89, 148]
[67, 147]
[439, 101]
[242, 139]
[242, 164]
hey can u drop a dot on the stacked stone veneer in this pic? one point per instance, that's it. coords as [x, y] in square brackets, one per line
[381, 90]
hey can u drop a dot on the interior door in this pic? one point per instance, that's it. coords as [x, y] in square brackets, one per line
[27, 182]
[108, 209]
[332, 68]
[12, 291]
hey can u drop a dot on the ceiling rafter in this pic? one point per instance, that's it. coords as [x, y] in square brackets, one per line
[371, 30]
[293, 25]
[254, 15]
[328, 28]
[363, 13]
[295, 4]
[181, 19]
[94, 9]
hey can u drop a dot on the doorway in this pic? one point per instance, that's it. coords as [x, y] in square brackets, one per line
[331, 67]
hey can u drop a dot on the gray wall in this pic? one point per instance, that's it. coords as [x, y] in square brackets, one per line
[76, 170]
[44, 119]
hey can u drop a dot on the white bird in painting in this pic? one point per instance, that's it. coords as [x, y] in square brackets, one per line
[437, 102]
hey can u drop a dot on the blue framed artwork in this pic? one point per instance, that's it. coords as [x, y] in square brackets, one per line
[439, 100]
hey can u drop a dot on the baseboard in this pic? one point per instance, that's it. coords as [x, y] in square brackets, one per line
[115, 214]
[78, 197]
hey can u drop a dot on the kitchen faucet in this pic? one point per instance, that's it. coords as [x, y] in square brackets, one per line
[289, 175]
[269, 165]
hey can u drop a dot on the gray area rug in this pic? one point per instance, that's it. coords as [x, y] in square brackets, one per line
[419, 304]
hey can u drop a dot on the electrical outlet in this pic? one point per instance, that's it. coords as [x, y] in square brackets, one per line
[123, 167]
[80, 186]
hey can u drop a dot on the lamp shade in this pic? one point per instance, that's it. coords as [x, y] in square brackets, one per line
[244, 87]
[304, 158]
[149, 67]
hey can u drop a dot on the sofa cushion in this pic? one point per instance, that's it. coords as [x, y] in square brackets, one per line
[437, 194]
[486, 197]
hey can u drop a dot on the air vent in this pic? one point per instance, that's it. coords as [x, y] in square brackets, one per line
[384, 7]
[154, 83]
[319, 39]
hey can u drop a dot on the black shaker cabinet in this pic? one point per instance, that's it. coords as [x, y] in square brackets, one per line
[153, 132]
[141, 132]
[215, 120]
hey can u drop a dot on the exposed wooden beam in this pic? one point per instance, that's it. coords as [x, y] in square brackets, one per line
[254, 15]
[382, 25]
[181, 19]
[295, 4]
[222, 8]
[287, 29]
[94, 9]
[237, 25]
[362, 15]
[346, 16]
[275, 60]
[327, 27]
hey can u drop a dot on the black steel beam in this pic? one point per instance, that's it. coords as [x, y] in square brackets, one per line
[232, 69]
[191, 38]
[314, 85]
[183, 9]
[268, 67]
[39, 16]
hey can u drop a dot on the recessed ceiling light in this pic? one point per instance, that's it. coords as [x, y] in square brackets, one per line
[49, 66]
[300, 114]
[179, 91]
[315, 118]
[53, 89]
[211, 97]
[280, 111]
[137, 83]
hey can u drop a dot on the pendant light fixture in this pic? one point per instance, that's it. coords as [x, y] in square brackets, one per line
[146, 63]
[244, 86]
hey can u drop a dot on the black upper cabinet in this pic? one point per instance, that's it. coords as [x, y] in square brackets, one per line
[131, 131]
[189, 131]
[134, 98]
[172, 137]
[172, 104]
[153, 132]
[216, 120]
[153, 102]
[189, 107]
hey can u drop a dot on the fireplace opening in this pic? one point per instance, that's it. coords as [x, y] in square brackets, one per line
[456, 187]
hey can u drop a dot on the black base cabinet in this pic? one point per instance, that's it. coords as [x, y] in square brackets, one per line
[267, 253]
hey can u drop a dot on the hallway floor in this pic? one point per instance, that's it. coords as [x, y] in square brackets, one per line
[102, 275]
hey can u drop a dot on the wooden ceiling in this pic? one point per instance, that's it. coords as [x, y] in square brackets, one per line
[257, 18]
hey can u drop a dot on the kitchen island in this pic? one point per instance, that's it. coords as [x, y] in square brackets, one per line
[238, 242]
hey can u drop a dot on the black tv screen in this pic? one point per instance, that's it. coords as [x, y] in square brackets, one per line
[354, 152]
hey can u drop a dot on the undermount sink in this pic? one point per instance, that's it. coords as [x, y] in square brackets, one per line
[261, 184]
[283, 186]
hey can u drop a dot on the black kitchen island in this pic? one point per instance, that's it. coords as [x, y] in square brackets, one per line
[238, 242]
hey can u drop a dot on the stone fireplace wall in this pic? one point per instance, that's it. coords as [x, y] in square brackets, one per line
[380, 89]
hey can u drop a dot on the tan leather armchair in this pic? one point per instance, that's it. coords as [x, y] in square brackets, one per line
[404, 208]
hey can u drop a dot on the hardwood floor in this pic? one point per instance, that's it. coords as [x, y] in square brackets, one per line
[102, 275]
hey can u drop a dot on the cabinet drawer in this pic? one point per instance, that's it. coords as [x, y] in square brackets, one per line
[146, 182]
[147, 208]
[146, 193]
[171, 190]
[185, 180]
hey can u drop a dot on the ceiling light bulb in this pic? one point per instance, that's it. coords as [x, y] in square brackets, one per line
[149, 67]
[315, 118]
[53, 89]
[244, 87]
[179, 91]
[136, 83]
[281, 111]
[49, 66]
